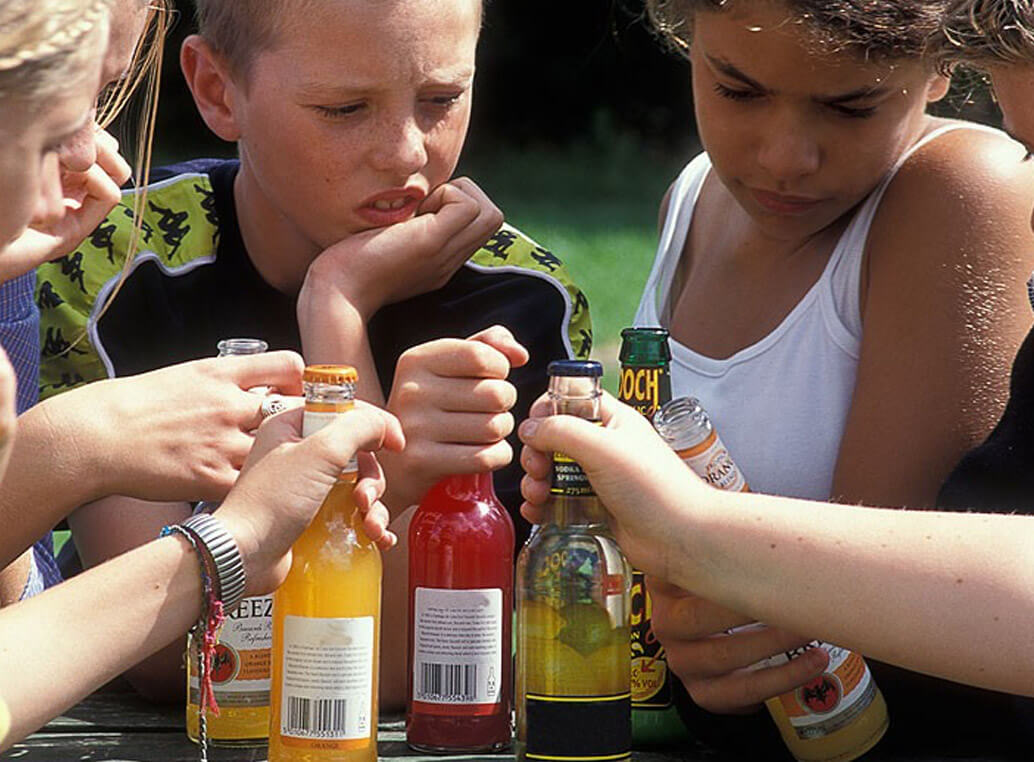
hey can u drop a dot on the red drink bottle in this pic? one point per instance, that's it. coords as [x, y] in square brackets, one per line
[460, 618]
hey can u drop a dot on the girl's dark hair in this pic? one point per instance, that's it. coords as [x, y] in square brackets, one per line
[877, 29]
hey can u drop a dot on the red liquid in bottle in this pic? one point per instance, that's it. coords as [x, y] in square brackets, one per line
[460, 618]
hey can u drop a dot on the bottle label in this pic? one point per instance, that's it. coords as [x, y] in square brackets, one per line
[832, 700]
[579, 727]
[651, 681]
[240, 668]
[645, 389]
[710, 460]
[315, 420]
[569, 479]
[327, 682]
[458, 647]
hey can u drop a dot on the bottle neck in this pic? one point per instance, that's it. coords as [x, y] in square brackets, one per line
[570, 511]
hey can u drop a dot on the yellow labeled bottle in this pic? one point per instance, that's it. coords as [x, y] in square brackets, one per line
[573, 699]
[240, 668]
[841, 714]
[326, 615]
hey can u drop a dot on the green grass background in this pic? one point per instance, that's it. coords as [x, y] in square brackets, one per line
[597, 210]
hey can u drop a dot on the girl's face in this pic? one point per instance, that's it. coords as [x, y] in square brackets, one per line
[1014, 89]
[799, 137]
[358, 111]
[31, 134]
[128, 20]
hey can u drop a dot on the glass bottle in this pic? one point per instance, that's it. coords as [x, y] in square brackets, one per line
[240, 674]
[460, 618]
[573, 666]
[836, 717]
[646, 385]
[326, 614]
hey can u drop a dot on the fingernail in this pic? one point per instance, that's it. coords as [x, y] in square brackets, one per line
[528, 428]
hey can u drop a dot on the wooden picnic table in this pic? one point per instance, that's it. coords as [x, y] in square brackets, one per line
[115, 725]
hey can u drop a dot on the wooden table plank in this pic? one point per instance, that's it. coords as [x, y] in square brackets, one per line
[118, 727]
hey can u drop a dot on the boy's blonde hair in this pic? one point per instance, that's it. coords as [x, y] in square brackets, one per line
[985, 32]
[241, 29]
[878, 29]
[45, 44]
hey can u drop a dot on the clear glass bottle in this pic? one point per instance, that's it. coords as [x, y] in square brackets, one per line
[646, 385]
[838, 716]
[326, 614]
[573, 667]
[240, 673]
[460, 619]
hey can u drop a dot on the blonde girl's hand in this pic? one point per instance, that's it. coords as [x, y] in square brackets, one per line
[89, 194]
[179, 433]
[288, 478]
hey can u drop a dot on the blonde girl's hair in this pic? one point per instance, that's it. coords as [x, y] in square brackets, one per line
[45, 44]
[143, 78]
[877, 29]
[986, 32]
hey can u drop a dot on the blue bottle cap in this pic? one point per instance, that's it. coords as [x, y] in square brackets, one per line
[579, 368]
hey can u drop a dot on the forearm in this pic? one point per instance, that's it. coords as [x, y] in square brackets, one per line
[48, 477]
[942, 593]
[334, 331]
[120, 612]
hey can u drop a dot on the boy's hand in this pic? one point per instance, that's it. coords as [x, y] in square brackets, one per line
[454, 402]
[386, 265]
[88, 197]
[714, 664]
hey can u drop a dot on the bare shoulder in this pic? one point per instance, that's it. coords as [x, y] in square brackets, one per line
[964, 197]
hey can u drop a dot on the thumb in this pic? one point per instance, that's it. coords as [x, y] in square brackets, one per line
[591, 445]
[502, 340]
[365, 428]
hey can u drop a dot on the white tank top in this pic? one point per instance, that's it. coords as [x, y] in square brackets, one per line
[780, 405]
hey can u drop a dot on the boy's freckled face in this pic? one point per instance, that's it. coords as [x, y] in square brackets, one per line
[798, 136]
[359, 111]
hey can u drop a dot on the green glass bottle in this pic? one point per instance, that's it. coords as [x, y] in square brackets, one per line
[572, 591]
[646, 386]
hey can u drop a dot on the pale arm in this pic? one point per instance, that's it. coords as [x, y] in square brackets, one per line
[120, 612]
[948, 594]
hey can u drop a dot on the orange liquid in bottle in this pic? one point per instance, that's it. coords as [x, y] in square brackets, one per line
[326, 633]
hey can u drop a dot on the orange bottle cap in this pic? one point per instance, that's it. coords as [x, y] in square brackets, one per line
[330, 374]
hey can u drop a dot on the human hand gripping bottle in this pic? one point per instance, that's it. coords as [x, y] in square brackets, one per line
[646, 385]
[573, 666]
[838, 716]
[240, 668]
[460, 619]
[326, 614]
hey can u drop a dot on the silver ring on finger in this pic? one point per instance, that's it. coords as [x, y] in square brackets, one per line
[272, 405]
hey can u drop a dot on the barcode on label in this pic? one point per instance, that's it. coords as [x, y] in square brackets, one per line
[448, 682]
[315, 718]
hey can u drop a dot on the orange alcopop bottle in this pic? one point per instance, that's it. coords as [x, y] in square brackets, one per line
[326, 615]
